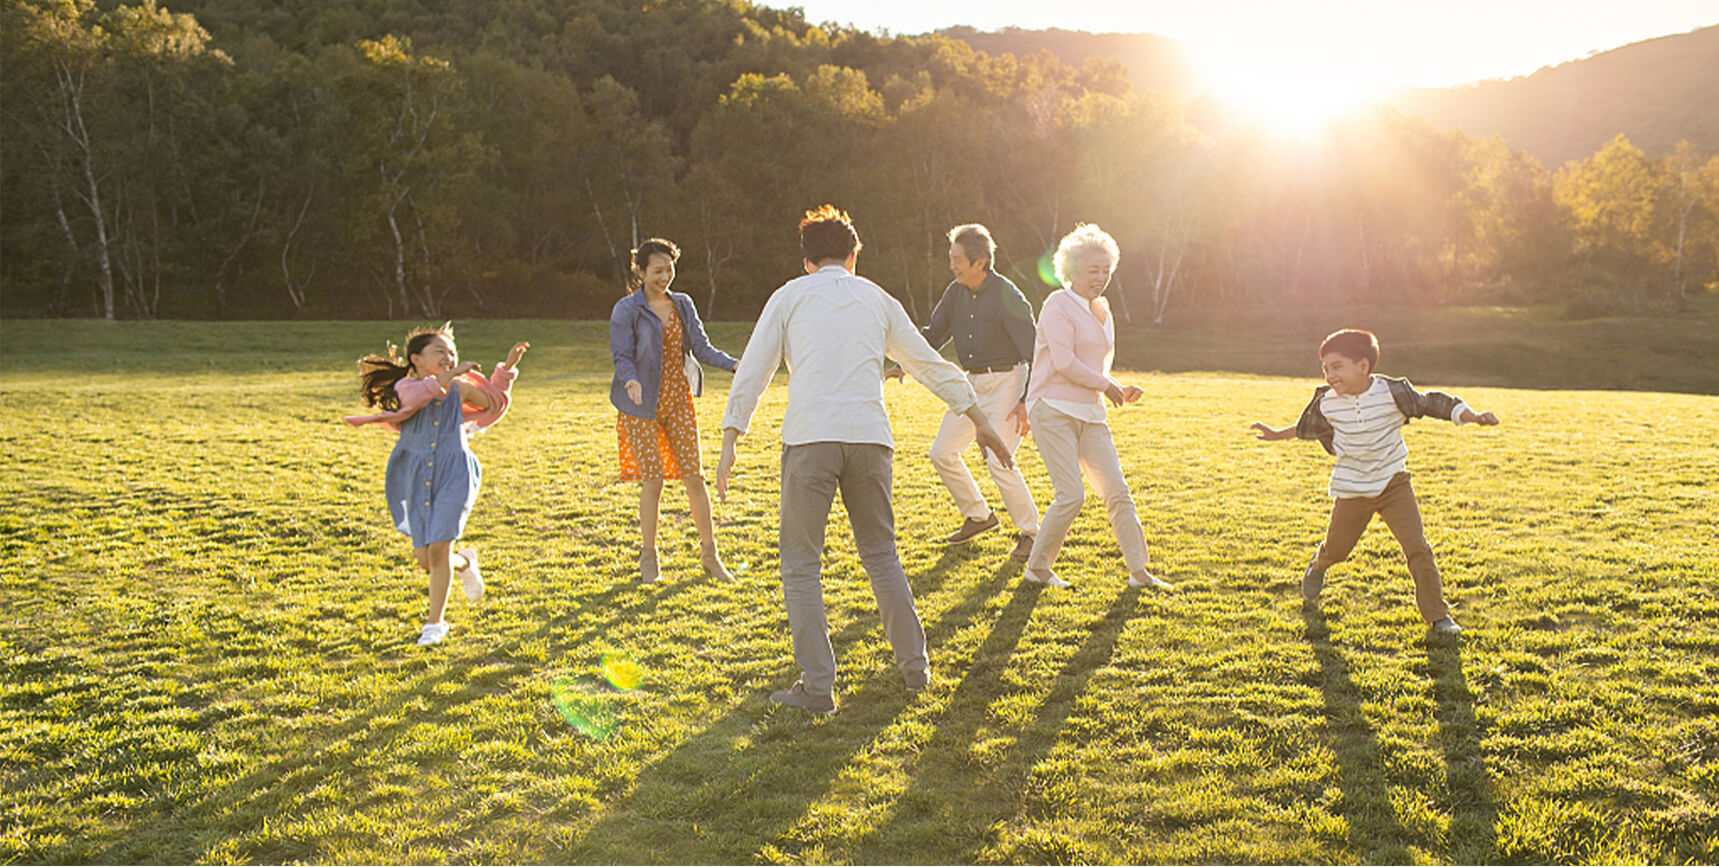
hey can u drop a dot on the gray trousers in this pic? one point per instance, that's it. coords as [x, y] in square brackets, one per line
[812, 474]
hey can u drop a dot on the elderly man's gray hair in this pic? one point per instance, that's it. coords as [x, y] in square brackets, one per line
[976, 243]
[1078, 245]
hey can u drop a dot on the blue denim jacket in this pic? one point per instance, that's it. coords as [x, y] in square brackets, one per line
[636, 342]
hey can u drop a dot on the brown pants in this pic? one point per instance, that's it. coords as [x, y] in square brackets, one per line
[1396, 504]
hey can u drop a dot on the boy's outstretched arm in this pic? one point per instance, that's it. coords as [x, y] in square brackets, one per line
[1268, 433]
[1469, 416]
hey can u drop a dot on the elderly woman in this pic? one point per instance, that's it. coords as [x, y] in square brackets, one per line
[657, 340]
[1071, 379]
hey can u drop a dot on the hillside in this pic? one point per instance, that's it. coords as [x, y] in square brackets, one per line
[1655, 92]
[1153, 62]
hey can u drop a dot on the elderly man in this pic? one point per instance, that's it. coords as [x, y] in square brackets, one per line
[992, 325]
[834, 328]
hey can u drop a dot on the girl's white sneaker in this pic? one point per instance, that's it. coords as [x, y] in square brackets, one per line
[470, 578]
[433, 633]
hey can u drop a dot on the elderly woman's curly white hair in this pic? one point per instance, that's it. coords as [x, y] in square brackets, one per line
[1077, 245]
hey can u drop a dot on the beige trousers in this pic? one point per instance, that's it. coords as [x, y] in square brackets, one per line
[1071, 448]
[998, 395]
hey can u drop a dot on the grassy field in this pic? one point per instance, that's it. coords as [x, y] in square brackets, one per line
[208, 646]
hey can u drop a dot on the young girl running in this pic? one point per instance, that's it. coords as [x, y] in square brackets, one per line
[435, 402]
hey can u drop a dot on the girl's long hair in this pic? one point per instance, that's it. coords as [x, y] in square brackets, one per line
[377, 374]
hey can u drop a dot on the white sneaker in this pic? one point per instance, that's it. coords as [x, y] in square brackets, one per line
[470, 578]
[1446, 626]
[433, 633]
[1047, 578]
[1152, 581]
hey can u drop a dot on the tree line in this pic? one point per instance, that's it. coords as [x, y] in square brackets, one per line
[412, 158]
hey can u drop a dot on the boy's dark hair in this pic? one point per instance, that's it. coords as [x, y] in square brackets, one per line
[378, 373]
[828, 233]
[642, 259]
[1353, 343]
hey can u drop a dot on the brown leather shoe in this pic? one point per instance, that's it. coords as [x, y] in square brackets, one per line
[1023, 547]
[970, 528]
[797, 696]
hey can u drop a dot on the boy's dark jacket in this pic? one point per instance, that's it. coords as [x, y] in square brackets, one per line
[1412, 404]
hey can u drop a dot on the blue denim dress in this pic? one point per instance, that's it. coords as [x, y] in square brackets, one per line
[432, 480]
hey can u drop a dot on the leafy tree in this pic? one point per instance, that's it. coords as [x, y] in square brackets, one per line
[1691, 204]
[1612, 199]
[412, 162]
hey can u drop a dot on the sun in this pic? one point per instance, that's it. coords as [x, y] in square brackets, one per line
[1293, 97]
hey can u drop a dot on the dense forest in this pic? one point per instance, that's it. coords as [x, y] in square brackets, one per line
[418, 158]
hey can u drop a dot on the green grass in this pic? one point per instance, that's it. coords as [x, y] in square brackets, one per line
[207, 653]
[1511, 347]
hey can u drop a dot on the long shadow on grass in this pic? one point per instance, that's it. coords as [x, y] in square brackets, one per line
[1374, 832]
[276, 791]
[736, 787]
[1473, 835]
[955, 799]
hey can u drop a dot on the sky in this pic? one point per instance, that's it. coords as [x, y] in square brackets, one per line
[1428, 43]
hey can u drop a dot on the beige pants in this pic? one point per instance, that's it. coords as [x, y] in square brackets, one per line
[1070, 448]
[999, 393]
[1396, 504]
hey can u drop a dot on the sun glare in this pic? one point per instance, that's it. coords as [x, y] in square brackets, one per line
[1291, 97]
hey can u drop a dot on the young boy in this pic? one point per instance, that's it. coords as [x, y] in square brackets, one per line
[1359, 417]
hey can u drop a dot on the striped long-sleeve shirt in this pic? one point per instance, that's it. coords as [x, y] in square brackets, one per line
[1367, 436]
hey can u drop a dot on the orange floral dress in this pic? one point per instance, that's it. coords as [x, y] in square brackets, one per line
[665, 447]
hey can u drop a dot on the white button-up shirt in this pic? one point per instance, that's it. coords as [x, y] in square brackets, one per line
[834, 329]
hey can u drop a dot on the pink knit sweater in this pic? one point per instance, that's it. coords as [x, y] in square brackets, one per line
[416, 393]
[1072, 351]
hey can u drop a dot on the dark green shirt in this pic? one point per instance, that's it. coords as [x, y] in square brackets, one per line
[992, 327]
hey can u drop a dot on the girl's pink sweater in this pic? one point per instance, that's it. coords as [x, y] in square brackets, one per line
[416, 393]
[1071, 353]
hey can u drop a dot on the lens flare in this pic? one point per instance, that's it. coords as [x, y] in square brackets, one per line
[621, 670]
[1047, 268]
[589, 715]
